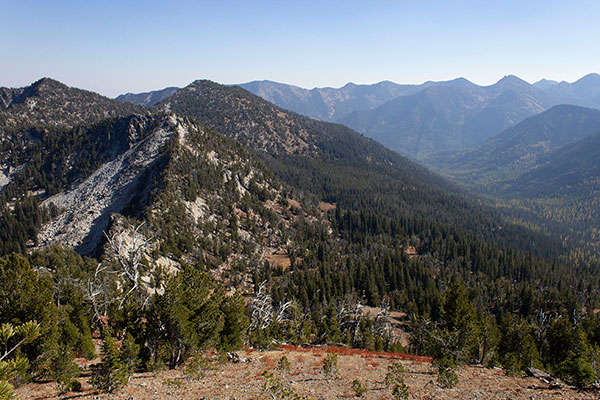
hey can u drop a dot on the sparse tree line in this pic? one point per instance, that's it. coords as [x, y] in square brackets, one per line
[49, 316]
[519, 310]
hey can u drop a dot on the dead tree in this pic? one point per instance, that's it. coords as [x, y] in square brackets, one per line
[129, 248]
[349, 316]
[263, 313]
[120, 275]
[382, 325]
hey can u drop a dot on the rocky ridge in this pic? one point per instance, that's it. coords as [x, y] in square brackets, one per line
[147, 98]
[86, 207]
[50, 103]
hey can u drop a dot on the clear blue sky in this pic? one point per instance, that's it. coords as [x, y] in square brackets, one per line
[129, 46]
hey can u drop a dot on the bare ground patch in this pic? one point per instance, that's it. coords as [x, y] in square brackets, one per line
[244, 380]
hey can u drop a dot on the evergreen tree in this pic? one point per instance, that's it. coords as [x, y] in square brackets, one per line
[111, 374]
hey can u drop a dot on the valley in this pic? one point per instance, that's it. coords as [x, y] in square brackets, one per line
[206, 218]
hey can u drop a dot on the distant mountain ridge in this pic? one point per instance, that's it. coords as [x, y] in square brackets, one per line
[571, 170]
[432, 121]
[147, 98]
[331, 104]
[47, 102]
[449, 118]
[522, 147]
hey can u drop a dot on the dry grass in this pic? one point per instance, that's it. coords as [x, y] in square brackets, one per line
[324, 206]
[244, 381]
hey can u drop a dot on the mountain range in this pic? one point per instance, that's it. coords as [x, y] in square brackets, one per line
[147, 98]
[112, 158]
[330, 104]
[216, 213]
[419, 120]
[436, 116]
[520, 148]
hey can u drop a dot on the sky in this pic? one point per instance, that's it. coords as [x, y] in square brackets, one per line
[113, 47]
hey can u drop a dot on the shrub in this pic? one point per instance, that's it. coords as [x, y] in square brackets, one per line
[447, 376]
[330, 365]
[277, 390]
[358, 388]
[130, 351]
[284, 364]
[395, 379]
[196, 367]
[10, 368]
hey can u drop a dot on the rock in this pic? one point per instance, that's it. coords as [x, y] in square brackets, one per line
[236, 358]
[536, 373]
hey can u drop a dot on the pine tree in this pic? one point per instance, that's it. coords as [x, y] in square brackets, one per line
[10, 367]
[112, 373]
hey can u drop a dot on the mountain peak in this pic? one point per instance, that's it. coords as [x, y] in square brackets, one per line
[512, 80]
[544, 83]
[459, 82]
[589, 78]
[52, 103]
[47, 84]
[461, 79]
[201, 82]
[148, 98]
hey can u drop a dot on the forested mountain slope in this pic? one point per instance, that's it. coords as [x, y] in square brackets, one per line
[147, 98]
[564, 188]
[384, 205]
[49, 103]
[449, 118]
[545, 168]
[310, 221]
[520, 148]
[570, 170]
[328, 159]
[200, 195]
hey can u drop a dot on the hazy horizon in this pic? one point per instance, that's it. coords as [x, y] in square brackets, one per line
[114, 47]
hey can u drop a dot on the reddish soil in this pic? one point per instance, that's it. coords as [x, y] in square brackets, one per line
[245, 380]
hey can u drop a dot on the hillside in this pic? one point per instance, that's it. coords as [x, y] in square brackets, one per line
[186, 184]
[49, 103]
[201, 196]
[573, 170]
[147, 98]
[449, 118]
[305, 377]
[544, 170]
[329, 160]
[520, 148]
[565, 187]
[382, 199]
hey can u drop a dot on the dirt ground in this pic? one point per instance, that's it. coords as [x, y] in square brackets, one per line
[240, 381]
